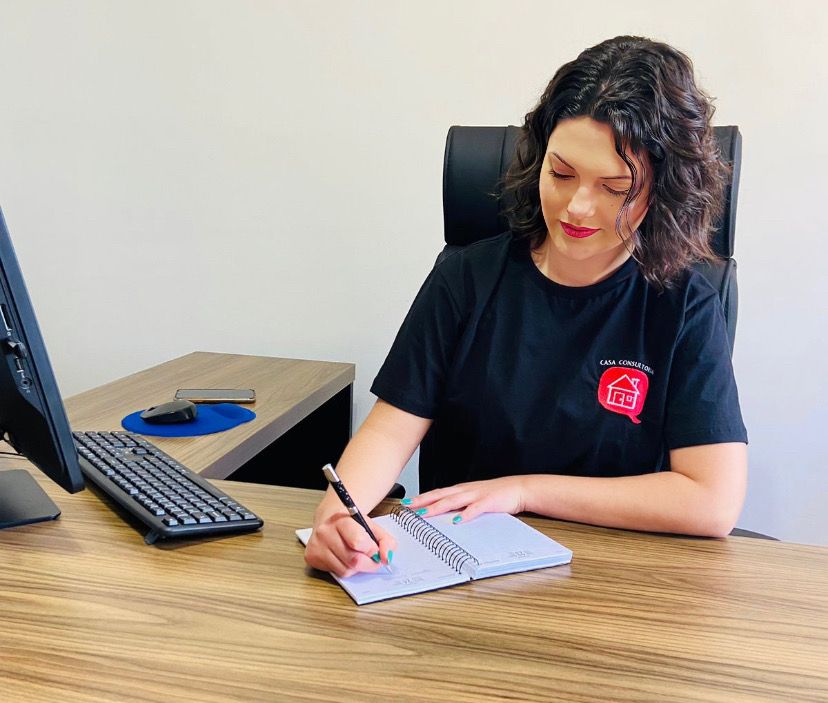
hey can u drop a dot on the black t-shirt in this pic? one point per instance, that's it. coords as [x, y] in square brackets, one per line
[523, 375]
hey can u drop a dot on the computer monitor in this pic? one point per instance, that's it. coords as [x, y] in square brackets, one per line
[32, 418]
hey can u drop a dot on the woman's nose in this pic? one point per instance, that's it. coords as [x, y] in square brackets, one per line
[582, 205]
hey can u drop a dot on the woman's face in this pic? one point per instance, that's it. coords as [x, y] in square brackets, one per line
[583, 184]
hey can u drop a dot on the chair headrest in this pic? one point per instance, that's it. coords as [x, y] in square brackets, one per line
[477, 158]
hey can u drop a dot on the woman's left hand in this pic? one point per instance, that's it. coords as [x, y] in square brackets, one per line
[497, 495]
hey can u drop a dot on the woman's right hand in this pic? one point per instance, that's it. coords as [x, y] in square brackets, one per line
[340, 545]
[370, 464]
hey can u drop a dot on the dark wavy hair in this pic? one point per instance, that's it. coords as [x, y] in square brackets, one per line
[645, 91]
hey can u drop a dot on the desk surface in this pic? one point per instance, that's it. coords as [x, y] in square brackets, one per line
[90, 613]
[287, 391]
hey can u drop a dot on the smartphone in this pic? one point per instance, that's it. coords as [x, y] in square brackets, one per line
[216, 395]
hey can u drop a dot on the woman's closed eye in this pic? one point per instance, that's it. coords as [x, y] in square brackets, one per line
[617, 193]
[611, 191]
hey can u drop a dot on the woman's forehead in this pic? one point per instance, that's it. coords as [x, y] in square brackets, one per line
[588, 145]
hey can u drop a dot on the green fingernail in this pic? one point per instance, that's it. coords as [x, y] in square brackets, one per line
[421, 511]
[456, 519]
[390, 556]
[376, 557]
[406, 501]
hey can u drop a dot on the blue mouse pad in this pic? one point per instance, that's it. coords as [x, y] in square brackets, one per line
[211, 418]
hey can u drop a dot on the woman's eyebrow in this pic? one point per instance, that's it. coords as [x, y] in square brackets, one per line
[603, 178]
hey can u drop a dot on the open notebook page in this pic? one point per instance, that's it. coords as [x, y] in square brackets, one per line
[502, 544]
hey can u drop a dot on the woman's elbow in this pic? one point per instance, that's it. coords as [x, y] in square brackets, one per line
[719, 475]
[717, 520]
[720, 527]
[712, 513]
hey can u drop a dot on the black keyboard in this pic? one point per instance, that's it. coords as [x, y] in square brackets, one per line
[153, 487]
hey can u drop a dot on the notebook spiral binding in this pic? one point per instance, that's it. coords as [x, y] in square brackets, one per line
[432, 539]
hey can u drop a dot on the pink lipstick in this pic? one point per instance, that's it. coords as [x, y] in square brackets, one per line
[577, 232]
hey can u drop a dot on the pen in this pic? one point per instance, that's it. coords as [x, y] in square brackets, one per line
[347, 501]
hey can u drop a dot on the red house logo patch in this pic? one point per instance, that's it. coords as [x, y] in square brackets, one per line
[623, 390]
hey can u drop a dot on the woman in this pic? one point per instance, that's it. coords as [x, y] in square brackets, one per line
[576, 366]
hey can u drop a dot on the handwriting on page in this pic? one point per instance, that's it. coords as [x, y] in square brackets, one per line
[409, 581]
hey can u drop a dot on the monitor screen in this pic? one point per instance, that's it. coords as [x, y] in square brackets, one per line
[32, 418]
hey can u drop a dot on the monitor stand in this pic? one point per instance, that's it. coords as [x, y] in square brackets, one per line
[22, 500]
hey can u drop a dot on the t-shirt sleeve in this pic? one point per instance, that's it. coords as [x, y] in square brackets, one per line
[703, 402]
[413, 375]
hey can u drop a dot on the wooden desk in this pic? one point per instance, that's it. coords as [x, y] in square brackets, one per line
[293, 396]
[90, 613]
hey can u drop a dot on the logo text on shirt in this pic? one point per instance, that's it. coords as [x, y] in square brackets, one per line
[627, 362]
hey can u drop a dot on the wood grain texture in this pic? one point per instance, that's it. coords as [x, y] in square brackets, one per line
[287, 391]
[89, 613]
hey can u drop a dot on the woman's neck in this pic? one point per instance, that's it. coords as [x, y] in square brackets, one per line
[577, 273]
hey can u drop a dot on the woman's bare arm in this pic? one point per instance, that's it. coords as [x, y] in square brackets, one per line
[369, 466]
[702, 495]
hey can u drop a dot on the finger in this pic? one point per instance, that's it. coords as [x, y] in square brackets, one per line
[457, 501]
[361, 563]
[329, 539]
[329, 557]
[470, 512]
[387, 546]
[355, 537]
[429, 497]
[387, 543]
[325, 561]
[319, 555]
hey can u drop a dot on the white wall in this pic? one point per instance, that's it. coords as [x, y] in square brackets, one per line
[264, 177]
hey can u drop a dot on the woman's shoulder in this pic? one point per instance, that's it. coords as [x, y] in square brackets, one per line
[692, 287]
[471, 272]
[689, 295]
[479, 261]
[477, 253]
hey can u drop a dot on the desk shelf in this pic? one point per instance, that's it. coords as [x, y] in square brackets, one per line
[303, 414]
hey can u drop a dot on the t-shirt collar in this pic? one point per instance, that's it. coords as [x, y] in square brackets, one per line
[628, 269]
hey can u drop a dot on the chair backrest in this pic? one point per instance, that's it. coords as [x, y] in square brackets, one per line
[477, 158]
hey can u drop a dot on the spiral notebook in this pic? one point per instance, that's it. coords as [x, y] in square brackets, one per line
[434, 553]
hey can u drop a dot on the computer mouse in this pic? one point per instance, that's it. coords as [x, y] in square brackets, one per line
[170, 413]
